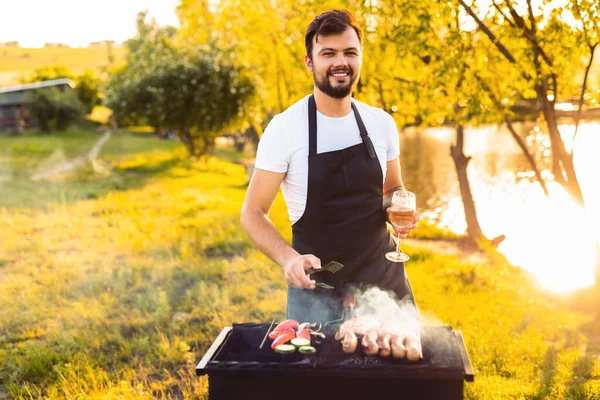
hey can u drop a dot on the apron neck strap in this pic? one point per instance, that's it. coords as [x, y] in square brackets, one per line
[363, 133]
[312, 126]
[312, 129]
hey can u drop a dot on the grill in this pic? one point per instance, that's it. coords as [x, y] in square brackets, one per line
[238, 369]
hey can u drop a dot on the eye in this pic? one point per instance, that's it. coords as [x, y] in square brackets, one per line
[352, 53]
[328, 53]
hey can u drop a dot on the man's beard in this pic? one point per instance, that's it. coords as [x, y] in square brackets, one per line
[338, 91]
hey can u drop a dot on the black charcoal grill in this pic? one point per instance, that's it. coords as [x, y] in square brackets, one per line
[238, 369]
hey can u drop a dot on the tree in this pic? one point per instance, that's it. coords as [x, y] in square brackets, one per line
[264, 37]
[125, 95]
[413, 57]
[56, 45]
[12, 43]
[544, 50]
[193, 92]
[47, 73]
[587, 13]
[87, 89]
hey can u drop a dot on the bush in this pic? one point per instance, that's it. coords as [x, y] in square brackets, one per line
[53, 109]
[87, 85]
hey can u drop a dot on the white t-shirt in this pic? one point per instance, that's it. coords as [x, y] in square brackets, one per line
[284, 145]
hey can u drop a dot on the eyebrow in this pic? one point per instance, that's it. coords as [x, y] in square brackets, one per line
[332, 49]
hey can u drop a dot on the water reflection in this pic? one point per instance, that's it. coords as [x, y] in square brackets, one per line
[550, 237]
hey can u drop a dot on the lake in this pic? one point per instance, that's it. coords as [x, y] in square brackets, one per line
[550, 237]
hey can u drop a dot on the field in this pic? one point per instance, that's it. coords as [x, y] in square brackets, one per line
[115, 280]
[16, 61]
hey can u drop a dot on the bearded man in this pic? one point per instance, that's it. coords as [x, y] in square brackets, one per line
[337, 162]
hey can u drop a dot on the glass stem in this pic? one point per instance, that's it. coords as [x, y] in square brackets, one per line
[398, 246]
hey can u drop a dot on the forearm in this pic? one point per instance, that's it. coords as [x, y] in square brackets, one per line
[266, 237]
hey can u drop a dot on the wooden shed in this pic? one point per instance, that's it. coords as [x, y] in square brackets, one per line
[13, 111]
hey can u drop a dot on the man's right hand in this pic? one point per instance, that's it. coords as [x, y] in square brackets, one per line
[294, 271]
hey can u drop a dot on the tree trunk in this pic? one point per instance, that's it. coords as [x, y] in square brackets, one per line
[592, 48]
[209, 146]
[562, 162]
[529, 157]
[239, 141]
[188, 140]
[460, 162]
[512, 131]
[382, 99]
[250, 136]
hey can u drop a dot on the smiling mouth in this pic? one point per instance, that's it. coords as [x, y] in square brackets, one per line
[340, 74]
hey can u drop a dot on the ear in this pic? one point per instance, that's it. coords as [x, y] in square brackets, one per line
[308, 63]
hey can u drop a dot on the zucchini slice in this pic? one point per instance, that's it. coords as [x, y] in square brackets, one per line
[299, 342]
[307, 350]
[285, 348]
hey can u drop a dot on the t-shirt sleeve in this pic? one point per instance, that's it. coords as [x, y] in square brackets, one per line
[393, 150]
[272, 153]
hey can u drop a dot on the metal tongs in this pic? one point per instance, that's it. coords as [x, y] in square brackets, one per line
[332, 267]
[348, 309]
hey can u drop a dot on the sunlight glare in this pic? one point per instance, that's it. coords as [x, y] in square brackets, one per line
[552, 238]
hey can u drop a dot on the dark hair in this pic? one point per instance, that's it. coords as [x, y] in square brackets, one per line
[333, 22]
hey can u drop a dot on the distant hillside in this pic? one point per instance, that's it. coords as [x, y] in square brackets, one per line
[15, 61]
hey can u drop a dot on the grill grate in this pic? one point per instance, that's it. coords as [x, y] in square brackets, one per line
[240, 351]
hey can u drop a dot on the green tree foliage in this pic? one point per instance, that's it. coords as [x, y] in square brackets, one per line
[521, 55]
[54, 109]
[262, 36]
[87, 85]
[88, 90]
[48, 73]
[543, 49]
[150, 42]
[427, 63]
[169, 87]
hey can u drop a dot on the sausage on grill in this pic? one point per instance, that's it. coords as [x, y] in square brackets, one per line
[383, 342]
[398, 348]
[349, 342]
[413, 348]
[369, 343]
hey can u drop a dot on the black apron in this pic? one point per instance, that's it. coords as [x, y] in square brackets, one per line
[344, 221]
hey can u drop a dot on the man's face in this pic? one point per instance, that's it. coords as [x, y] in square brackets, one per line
[336, 62]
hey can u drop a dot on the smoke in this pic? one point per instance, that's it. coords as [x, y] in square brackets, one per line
[395, 315]
[305, 307]
[402, 316]
[383, 305]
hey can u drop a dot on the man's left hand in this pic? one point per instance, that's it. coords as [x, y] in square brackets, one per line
[402, 232]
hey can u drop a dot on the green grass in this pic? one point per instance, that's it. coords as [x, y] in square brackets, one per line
[135, 158]
[428, 230]
[119, 294]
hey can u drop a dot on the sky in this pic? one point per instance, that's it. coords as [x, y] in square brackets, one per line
[77, 22]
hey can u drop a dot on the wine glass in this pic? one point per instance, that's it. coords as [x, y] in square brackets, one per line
[402, 213]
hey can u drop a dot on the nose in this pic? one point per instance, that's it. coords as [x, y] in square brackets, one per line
[340, 60]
